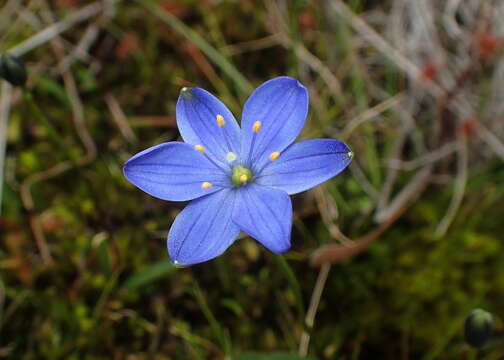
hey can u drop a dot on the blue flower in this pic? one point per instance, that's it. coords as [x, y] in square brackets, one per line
[237, 179]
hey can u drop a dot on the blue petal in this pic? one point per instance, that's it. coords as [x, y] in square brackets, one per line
[197, 112]
[204, 229]
[306, 164]
[281, 105]
[174, 171]
[266, 215]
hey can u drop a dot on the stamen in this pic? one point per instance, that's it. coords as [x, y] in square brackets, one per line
[274, 155]
[220, 120]
[200, 148]
[206, 185]
[241, 176]
[255, 128]
[220, 123]
[230, 157]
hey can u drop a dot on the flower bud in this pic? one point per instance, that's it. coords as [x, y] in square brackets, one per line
[478, 327]
[12, 69]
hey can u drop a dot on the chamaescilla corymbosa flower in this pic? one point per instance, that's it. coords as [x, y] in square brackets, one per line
[237, 179]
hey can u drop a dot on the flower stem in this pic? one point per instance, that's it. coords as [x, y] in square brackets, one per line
[312, 310]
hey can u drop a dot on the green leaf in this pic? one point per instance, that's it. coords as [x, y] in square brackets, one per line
[46, 84]
[149, 274]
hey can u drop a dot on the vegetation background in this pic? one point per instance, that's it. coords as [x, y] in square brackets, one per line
[410, 234]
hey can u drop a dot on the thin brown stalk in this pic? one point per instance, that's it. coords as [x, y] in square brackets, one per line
[328, 212]
[253, 45]
[379, 43]
[55, 29]
[120, 118]
[335, 253]
[312, 310]
[369, 114]
[281, 29]
[458, 190]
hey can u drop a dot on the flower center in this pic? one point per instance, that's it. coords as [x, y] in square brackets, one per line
[241, 175]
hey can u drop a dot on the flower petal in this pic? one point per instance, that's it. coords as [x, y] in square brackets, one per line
[281, 106]
[306, 164]
[204, 120]
[175, 171]
[266, 215]
[204, 229]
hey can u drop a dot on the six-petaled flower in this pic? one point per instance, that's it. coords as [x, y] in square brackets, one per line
[237, 179]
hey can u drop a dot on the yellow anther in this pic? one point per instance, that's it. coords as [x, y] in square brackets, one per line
[257, 126]
[274, 155]
[243, 178]
[220, 120]
[206, 185]
[200, 148]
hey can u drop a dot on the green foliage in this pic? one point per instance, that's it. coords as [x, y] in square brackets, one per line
[111, 292]
[147, 275]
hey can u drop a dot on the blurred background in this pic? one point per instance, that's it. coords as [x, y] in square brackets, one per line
[388, 258]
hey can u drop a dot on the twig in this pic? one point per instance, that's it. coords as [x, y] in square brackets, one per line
[81, 50]
[383, 46]
[325, 204]
[306, 56]
[30, 18]
[76, 103]
[89, 37]
[80, 126]
[120, 119]
[335, 253]
[458, 190]
[409, 192]
[449, 21]
[312, 310]
[429, 158]
[28, 204]
[492, 141]
[317, 65]
[370, 114]
[392, 174]
[253, 45]
[7, 10]
[363, 181]
[56, 29]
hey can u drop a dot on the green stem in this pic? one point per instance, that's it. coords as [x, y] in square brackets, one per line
[294, 284]
[217, 329]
